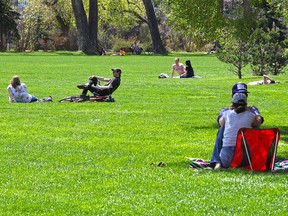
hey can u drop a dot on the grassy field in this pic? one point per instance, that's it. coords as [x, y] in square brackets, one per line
[94, 158]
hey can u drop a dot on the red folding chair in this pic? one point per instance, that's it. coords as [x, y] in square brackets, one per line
[256, 149]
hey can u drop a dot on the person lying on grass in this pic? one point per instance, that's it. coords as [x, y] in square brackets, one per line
[266, 80]
[18, 92]
[98, 90]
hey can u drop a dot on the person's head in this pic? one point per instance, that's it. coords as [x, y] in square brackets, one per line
[240, 88]
[116, 72]
[15, 81]
[188, 63]
[239, 102]
[177, 60]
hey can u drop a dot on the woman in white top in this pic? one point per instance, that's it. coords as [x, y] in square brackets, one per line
[234, 119]
[18, 92]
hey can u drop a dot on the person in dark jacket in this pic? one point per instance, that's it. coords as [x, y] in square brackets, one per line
[100, 90]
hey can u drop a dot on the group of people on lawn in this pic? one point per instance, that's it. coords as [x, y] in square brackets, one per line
[230, 120]
[18, 91]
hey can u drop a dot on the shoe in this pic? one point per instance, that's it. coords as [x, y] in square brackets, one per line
[82, 86]
[217, 166]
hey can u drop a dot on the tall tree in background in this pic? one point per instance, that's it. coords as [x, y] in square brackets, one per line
[8, 25]
[87, 29]
[154, 30]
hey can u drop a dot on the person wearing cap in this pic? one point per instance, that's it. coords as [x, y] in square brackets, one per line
[102, 90]
[234, 119]
[240, 88]
[237, 88]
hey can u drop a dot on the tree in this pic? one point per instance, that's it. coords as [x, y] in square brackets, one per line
[87, 29]
[8, 25]
[236, 54]
[158, 46]
[36, 26]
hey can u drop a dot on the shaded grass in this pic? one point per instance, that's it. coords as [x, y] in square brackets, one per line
[94, 158]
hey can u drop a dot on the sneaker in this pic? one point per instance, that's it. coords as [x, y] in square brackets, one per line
[217, 166]
[82, 86]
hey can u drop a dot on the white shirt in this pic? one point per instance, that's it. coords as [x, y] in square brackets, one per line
[19, 94]
[233, 122]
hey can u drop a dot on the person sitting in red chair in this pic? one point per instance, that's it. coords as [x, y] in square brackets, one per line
[234, 119]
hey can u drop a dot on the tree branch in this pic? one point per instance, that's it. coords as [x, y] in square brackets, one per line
[136, 15]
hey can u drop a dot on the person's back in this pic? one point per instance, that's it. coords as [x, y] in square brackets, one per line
[189, 69]
[19, 94]
[233, 122]
[115, 84]
[237, 117]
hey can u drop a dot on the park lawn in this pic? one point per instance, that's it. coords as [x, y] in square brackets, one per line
[95, 158]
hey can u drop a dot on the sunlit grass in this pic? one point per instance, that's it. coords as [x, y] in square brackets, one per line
[94, 158]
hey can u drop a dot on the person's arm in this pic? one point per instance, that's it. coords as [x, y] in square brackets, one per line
[222, 121]
[257, 121]
[106, 86]
[172, 73]
[11, 97]
[184, 69]
[255, 111]
[221, 114]
[102, 79]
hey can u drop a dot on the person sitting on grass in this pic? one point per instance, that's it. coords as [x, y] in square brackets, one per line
[99, 90]
[18, 92]
[234, 119]
[178, 67]
[237, 88]
[189, 72]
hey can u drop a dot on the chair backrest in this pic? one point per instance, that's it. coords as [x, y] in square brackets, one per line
[256, 149]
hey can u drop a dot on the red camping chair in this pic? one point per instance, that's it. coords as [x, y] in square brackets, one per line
[256, 149]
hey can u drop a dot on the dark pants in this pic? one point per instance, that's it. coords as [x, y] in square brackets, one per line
[94, 89]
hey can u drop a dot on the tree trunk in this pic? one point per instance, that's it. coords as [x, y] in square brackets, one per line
[87, 36]
[154, 30]
[93, 23]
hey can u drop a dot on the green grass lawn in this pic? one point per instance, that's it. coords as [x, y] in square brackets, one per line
[94, 158]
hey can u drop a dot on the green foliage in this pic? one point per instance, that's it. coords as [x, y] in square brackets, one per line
[196, 15]
[94, 158]
[36, 27]
[120, 14]
[268, 52]
[234, 53]
[119, 43]
[8, 25]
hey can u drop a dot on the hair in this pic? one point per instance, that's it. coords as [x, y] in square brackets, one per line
[239, 107]
[177, 59]
[15, 81]
[189, 69]
[246, 93]
[188, 63]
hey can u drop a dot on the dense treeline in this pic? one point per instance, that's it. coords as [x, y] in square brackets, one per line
[238, 29]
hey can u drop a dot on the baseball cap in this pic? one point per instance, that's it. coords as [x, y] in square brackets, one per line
[239, 88]
[239, 98]
[116, 69]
